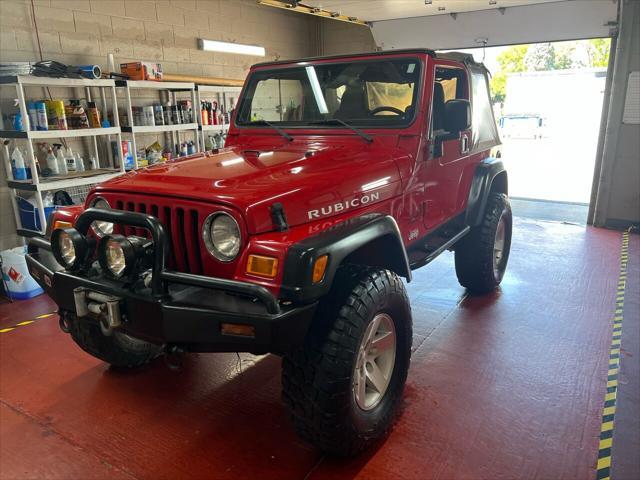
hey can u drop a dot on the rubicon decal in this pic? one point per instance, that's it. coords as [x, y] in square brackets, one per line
[342, 206]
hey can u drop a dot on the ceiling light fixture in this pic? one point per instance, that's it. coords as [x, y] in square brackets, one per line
[228, 47]
[428, 2]
[442, 9]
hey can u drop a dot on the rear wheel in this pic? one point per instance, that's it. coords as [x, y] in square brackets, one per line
[482, 255]
[117, 349]
[342, 390]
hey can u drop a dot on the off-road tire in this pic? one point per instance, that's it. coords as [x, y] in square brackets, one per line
[317, 379]
[474, 254]
[118, 349]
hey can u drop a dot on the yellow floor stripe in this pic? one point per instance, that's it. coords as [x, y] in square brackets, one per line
[603, 469]
[21, 324]
[26, 322]
[606, 443]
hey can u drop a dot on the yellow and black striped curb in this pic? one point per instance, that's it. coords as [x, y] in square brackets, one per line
[26, 322]
[603, 471]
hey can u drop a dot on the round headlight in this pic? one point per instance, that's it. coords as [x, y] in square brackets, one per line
[99, 226]
[221, 235]
[116, 255]
[68, 246]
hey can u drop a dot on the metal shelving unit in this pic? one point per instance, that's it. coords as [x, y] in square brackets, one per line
[224, 96]
[171, 88]
[36, 185]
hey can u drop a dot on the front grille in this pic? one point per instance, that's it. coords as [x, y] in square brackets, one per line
[182, 224]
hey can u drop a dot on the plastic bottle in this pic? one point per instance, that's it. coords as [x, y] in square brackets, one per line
[93, 163]
[62, 164]
[79, 163]
[17, 165]
[52, 163]
[33, 115]
[71, 160]
[41, 112]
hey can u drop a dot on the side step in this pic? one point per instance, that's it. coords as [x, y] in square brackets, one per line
[436, 245]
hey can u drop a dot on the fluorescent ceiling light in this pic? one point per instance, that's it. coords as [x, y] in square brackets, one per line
[317, 91]
[228, 47]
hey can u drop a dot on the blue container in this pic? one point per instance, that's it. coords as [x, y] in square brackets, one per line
[29, 214]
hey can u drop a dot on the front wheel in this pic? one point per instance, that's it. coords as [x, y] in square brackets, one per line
[482, 255]
[343, 388]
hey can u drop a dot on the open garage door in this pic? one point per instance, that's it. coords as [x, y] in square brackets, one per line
[534, 23]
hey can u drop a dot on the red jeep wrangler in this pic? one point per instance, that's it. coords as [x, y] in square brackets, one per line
[340, 175]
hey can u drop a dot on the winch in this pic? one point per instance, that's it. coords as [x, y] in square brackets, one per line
[105, 307]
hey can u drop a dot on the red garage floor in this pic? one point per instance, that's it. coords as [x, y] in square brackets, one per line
[509, 385]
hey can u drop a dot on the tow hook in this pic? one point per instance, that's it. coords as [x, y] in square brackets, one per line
[174, 357]
[105, 307]
[63, 321]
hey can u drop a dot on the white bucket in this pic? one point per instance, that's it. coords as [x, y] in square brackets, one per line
[16, 276]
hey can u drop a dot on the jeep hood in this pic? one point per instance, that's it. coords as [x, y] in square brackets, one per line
[309, 180]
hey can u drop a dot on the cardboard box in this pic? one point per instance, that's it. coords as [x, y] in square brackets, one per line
[142, 70]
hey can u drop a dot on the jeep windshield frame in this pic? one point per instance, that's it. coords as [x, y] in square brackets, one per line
[315, 91]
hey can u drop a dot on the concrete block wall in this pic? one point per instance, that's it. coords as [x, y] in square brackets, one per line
[85, 31]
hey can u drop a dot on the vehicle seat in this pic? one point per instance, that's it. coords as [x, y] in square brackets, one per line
[438, 107]
[352, 104]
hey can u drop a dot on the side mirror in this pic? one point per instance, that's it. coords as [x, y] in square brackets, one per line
[457, 116]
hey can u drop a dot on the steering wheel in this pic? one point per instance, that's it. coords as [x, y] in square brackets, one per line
[386, 108]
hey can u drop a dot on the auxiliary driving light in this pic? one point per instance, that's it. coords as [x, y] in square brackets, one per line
[117, 254]
[69, 247]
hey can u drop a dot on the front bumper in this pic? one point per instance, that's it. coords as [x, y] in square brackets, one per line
[183, 310]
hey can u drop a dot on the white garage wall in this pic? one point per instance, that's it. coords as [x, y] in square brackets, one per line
[565, 20]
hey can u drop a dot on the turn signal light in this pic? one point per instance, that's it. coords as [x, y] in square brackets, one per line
[319, 268]
[60, 224]
[237, 329]
[263, 266]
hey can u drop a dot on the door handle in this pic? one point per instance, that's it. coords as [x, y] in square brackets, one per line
[464, 144]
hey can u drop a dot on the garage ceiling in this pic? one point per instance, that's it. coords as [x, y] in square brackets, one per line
[377, 10]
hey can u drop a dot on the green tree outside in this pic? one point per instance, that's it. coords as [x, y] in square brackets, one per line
[592, 53]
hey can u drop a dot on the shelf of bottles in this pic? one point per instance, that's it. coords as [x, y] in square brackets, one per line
[34, 164]
[215, 109]
[173, 114]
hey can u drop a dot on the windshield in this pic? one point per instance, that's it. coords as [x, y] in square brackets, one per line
[362, 93]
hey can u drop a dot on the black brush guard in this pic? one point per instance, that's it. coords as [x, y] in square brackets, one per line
[178, 308]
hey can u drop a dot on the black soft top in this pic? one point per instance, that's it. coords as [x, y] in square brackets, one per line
[456, 56]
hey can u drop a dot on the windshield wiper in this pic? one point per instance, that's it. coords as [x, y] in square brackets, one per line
[365, 137]
[275, 127]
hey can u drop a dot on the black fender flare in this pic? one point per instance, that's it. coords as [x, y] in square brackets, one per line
[487, 172]
[363, 238]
